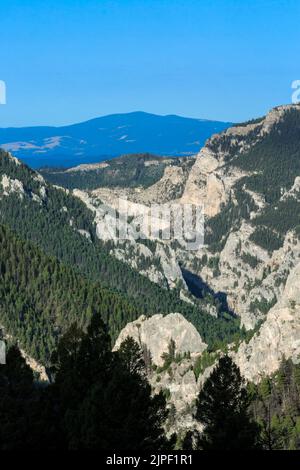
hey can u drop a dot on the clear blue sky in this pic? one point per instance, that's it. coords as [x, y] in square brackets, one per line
[65, 61]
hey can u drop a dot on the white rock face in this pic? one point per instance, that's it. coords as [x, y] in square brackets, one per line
[39, 369]
[183, 389]
[10, 185]
[161, 264]
[168, 188]
[85, 234]
[294, 191]
[251, 287]
[87, 167]
[39, 178]
[14, 159]
[36, 367]
[209, 182]
[157, 331]
[154, 334]
[278, 337]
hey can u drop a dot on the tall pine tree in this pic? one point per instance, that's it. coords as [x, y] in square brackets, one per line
[222, 407]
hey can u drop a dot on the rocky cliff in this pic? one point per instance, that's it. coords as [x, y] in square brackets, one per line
[278, 337]
[156, 333]
[174, 375]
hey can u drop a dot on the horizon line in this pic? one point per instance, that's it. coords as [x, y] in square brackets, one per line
[118, 114]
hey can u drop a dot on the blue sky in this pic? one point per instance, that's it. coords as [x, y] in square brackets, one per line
[65, 61]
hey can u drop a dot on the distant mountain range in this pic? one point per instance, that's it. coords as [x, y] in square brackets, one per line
[108, 136]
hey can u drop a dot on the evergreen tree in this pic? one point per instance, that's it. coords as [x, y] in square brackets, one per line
[276, 407]
[132, 357]
[222, 407]
[16, 397]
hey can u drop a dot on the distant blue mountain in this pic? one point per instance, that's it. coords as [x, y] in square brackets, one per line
[108, 136]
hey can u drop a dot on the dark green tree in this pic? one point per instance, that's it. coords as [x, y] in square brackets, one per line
[222, 407]
[131, 356]
[16, 397]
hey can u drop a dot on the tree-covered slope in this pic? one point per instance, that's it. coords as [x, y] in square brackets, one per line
[62, 226]
[274, 158]
[40, 297]
[275, 404]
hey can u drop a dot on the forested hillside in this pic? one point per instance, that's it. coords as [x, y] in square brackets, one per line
[275, 404]
[128, 171]
[40, 298]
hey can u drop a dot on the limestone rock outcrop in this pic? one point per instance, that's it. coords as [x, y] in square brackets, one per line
[178, 380]
[157, 331]
[278, 337]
